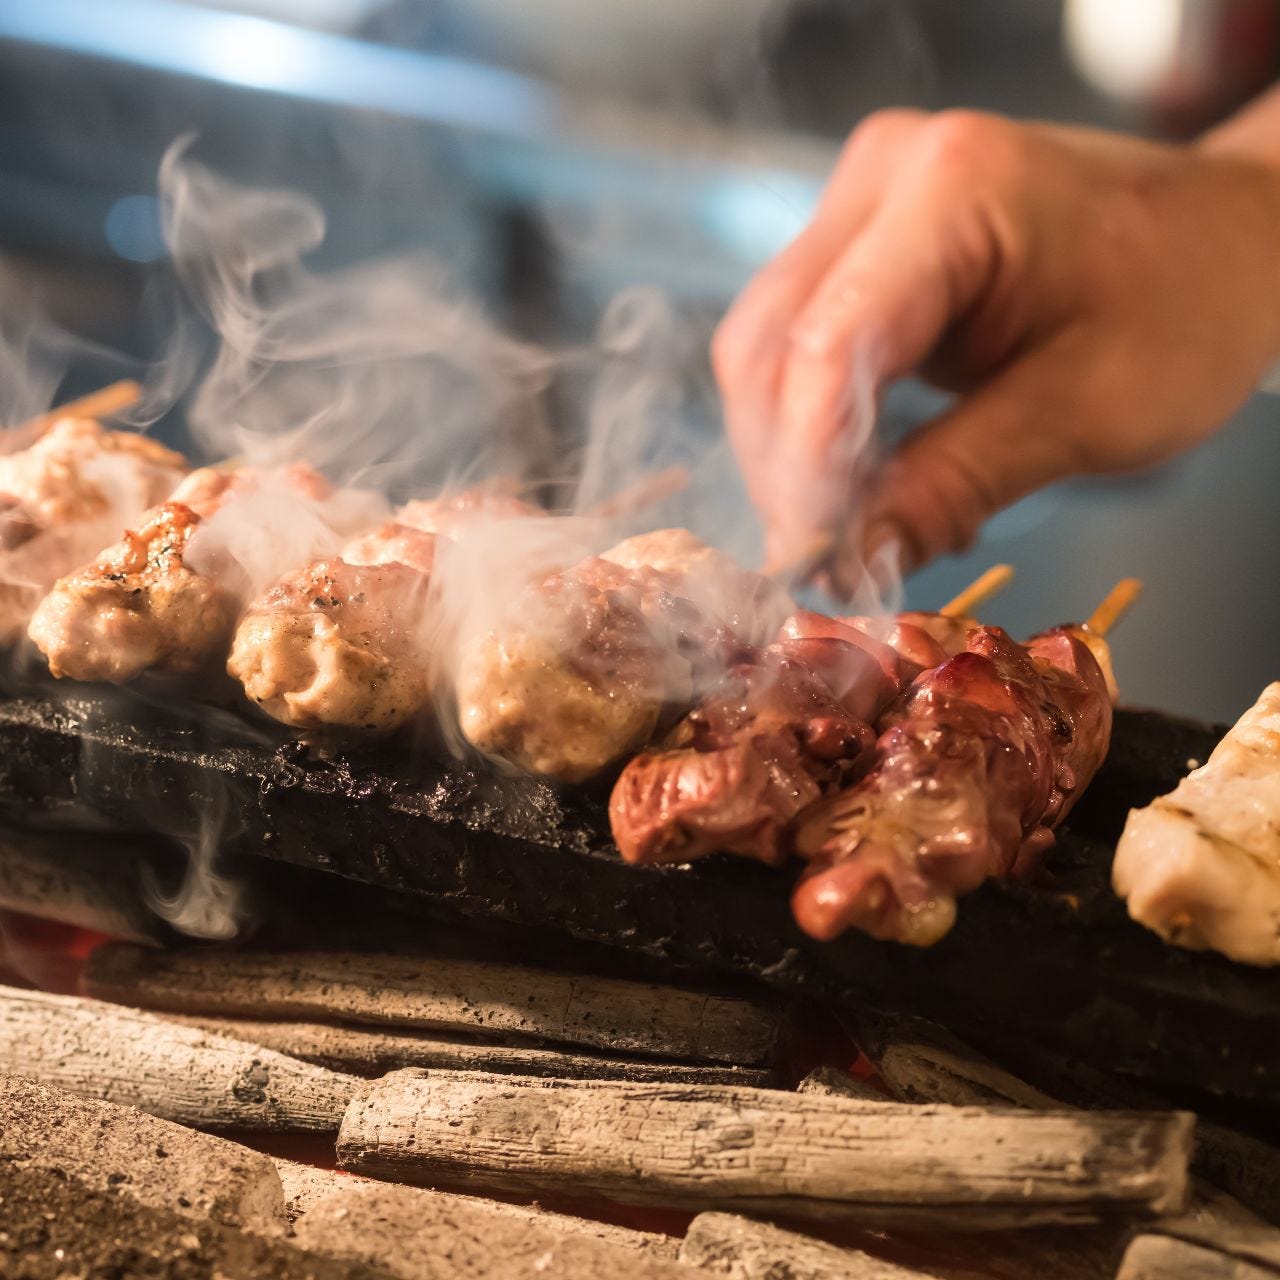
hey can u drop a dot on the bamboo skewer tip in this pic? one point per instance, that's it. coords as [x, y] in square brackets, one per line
[102, 403]
[1114, 605]
[981, 589]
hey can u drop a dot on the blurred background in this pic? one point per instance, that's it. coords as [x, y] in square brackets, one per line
[554, 152]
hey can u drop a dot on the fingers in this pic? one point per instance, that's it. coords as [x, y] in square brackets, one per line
[1019, 432]
[752, 341]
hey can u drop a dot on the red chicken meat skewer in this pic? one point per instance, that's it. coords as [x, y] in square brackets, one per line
[977, 763]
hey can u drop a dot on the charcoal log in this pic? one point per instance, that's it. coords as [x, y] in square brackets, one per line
[136, 1059]
[422, 1235]
[444, 994]
[364, 1051]
[123, 1151]
[1188, 1251]
[723, 1244]
[90, 881]
[759, 1150]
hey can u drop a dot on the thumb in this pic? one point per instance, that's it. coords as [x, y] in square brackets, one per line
[1014, 435]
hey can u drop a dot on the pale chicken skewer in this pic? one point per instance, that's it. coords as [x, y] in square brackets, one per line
[64, 495]
[343, 643]
[139, 606]
[1201, 865]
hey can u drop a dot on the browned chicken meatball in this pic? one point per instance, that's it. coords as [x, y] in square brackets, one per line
[343, 642]
[591, 660]
[140, 606]
[63, 498]
[136, 608]
[337, 644]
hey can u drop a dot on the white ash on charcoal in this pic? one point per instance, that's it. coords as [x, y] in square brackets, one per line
[124, 1152]
[1188, 1251]
[767, 1151]
[101, 1050]
[444, 994]
[723, 1244]
[91, 882]
[921, 1063]
[54, 1226]
[420, 1235]
[407, 1215]
[367, 1052]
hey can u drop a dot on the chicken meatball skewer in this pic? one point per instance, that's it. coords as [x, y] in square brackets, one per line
[140, 606]
[342, 642]
[589, 662]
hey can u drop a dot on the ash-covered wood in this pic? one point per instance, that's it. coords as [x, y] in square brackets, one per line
[100, 1050]
[123, 1151]
[53, 1226]
[831, 1082]
[366, 1052]
[90, 881]
[922, 1063]
[1241, 1164]
[411, 1230]
[1063, 965]
[1179, 1251]
[766, 1150]
[442, 993]
[723, 1244]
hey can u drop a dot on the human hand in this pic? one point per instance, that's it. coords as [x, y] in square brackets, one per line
[1099, 304]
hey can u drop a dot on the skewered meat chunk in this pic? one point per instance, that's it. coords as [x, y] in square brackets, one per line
[63, 498]
[136, 608]
[342, 643]
[761, 748]
[1201, 866]
[337, 644]
[976, 763]
[600, 653]
[140, 606]
[773, 738]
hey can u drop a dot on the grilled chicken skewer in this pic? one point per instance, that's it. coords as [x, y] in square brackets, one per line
[63, 497]
[1201, 866]
[341, 643]
[783, 727]
[976, 764]
[596, 656]
[140, 606]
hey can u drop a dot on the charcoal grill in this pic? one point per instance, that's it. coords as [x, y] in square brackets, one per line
[1059, 961]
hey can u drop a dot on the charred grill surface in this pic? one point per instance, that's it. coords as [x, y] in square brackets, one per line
[1058, 960]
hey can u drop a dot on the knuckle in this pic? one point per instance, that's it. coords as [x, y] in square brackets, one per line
[970, 140]
[880, 131]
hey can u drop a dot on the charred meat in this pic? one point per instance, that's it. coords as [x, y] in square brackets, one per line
[977, 762]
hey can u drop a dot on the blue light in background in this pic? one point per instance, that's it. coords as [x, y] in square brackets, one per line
[753, 216]
[133, 231]
[261, 54]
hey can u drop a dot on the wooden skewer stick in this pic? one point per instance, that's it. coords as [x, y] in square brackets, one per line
[648, 491]
[802, 566]
[1117, 603]
[97, 404]
[981, 589]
